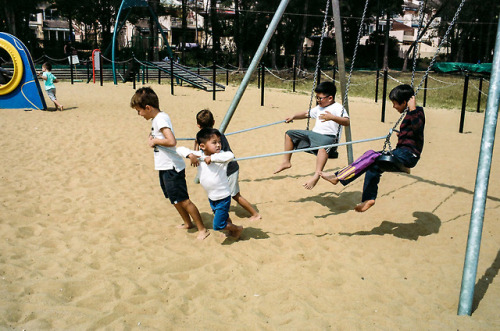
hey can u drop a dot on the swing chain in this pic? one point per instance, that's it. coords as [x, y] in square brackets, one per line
[325, 20]
[455, 17]
[415, 50]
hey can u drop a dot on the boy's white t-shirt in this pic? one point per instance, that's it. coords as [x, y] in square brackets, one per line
[213, 176]
[165, 160]
[328, 127]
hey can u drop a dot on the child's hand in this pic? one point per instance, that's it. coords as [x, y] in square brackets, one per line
[194, 160]
[289, 119]
[326, 117]
[208, 159]
[151, 142]
[412, 104]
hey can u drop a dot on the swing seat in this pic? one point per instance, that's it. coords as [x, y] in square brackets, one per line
[388, 162]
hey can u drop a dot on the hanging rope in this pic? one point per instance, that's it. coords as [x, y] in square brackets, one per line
[387, 142]
[323, 30]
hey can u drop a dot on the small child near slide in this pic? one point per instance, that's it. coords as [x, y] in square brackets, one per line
[407, 151]
[49, 80]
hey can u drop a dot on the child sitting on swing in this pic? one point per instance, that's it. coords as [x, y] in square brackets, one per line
[329, 115]
[408, 149]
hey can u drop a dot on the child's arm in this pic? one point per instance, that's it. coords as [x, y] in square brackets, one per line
[190, 154]
[169, 140]
[220, 157]
[344, 121]
[298, 116]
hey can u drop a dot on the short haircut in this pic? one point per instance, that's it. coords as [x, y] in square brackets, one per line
[205, 134]
[205, 118]
[401, 93]
[145, 96]
[327, 88]
[48, 66]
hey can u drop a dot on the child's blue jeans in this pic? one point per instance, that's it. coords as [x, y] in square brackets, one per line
[373, 174]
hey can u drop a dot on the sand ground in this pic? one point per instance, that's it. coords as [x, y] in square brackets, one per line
[89, 242]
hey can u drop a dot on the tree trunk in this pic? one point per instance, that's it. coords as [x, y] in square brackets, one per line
[10, 16]
[184, 29]
[300, 46]
[239, 50]
[386, 44]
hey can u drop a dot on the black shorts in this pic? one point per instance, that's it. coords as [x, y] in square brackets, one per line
[174, 186]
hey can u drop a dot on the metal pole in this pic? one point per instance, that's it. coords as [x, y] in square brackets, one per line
[464, 103]
[262, 85]
[214, 78]
[341, 65]
[425, 90]
[88, 71]
[253, 64]
[479, 94]
[133, 85]
[71, 67]
[376, 85]
[101, 66]
[294, 75]
[227, 76]
[172, 75]
[258, 76]
[318, 76]
[159, 77]
[384, 95]
[481, 188]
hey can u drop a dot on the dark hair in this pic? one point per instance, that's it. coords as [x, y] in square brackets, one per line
[205, 118]
[205, 134]
[145, 96]
[48, 66]
[327, 88]
[401, 93]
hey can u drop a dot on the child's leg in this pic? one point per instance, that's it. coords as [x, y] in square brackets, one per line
[370, 189]
[247, 206]
[58, 105]
[189, 209]
[321, 159]
[286, 163]
[234, 230]
[331, 178]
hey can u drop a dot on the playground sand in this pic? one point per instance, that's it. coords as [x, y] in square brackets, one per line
[89, 241]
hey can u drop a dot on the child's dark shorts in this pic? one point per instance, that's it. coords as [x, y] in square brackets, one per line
[174, 186]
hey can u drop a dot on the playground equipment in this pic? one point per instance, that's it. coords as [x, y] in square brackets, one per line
[129, 4]
[23, 90]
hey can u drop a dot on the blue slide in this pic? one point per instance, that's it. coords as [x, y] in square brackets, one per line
[23, 89]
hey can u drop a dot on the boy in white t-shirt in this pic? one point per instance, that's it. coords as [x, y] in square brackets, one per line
[170, 165]
[329, 115]
[212, 172]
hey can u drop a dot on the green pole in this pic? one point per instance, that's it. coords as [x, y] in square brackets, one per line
[253, 64]
[481, 188]
[115, 31]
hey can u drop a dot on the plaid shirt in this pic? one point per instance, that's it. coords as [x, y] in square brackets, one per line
[411, 131]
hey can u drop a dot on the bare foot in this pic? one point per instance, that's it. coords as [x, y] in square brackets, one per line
[364, 206]
[331, 178]
[202, 234]
[311, 182]
[255, 217]
[236, 234]
[283, 166]
[62, 108]
[185, 226]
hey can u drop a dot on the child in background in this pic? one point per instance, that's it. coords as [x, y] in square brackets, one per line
[212, 172]
[49, 80]
[408, 149]
[205, 119]
[171, 166]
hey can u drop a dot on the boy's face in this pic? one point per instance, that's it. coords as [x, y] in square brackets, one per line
[44, 68]
[324, 100]
[211, 146]
[400, 107]
[144, 112]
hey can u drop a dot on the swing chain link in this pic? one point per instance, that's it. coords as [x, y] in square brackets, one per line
[417, 42]
[445, 37]
[323, 32]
